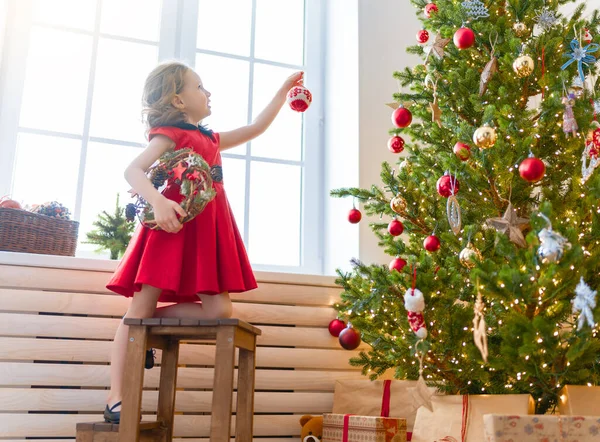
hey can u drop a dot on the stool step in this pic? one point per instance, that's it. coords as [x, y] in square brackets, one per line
[105, 432]
[200, 323]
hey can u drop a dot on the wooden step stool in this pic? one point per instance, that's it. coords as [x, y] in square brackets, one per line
[166, 334]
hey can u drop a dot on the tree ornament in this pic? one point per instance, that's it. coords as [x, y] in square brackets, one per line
[475, 9]
[480, 328]
[423, 36]
[447, 185]
[521, 30]
[546, 18]
[485, 137]
[454, 214]
[532, 169]
[436, 112]
[523, 66]
[587, 36]
[432, 243]
[299, 98]
[191, 173]
[552, 244]
[354, 216]
[402, 117]
[511, 225]
[569, 122]
[398, 204]
[395, 227]
[421, 393]
[584, 304]
[468, 255]
[581, 56]
[577, 87]
[414, 302]
[462, 151]
[396, 144]
[397, 264]
[464, 38]
[336, 326]
[349, 338]
[589, 158]
[437, 48]
[489, 70]
[7, 203]
[430, 9]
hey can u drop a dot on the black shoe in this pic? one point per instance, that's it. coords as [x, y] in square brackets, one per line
[150, 355]
[110, 416]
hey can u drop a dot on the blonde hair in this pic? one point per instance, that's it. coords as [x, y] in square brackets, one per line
[162, 84]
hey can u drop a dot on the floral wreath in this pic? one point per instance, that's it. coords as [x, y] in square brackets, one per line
[187, 169]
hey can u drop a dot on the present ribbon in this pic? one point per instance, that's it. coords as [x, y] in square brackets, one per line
[581, 55]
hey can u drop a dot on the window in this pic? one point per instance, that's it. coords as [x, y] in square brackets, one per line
[71, 80]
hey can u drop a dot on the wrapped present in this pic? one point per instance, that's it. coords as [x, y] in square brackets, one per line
[350, 428]
[401, 400]
[460, 418]
[541, 428]
[579, 400]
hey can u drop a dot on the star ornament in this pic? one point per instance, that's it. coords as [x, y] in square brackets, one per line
[511, 225]
[178, 171]
[422, 394]
[437, 48]
[436, 112]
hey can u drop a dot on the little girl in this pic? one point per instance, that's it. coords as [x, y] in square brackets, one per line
[202, 259]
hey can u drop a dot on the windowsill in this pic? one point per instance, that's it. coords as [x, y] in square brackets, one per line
[107, 265]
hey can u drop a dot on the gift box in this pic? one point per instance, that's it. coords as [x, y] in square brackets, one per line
[350, 428]
[541, 428]
[579, 400]
[368, 398]
[460, 418]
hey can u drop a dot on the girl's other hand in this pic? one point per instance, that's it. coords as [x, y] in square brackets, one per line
[165, 215]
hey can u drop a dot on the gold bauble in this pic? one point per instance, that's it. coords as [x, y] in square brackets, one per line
[485, 137]
[468, 254]
[398, 204]
[523, 66]
[521, 30]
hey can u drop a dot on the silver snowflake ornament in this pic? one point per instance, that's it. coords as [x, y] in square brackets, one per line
[475, 9]
[584, 303]
[546, 18]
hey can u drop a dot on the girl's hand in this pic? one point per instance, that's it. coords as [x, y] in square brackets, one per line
[165, 215]
[296, 79]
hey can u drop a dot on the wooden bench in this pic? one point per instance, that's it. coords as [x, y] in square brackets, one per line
[57, 322]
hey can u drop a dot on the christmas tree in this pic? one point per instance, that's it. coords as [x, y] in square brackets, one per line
[492, 220]
[113, 232]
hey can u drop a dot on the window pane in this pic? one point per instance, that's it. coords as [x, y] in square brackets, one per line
[280, 31]
[224, 26]
[121, 71]
[46, 169]
[283, 139]
[131, 18]
[72, 13]
[234, 177]
[229, 92]
[56, 81]
[105, 165]
[275, 199]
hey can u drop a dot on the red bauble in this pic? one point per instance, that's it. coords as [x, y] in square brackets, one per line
[336, 326]
[432, 243]
[354, 216]
[396, 144]
[7, 203]
[299, 98]
[349, 338]
[402, 117]
[395, 227]
[423, 36]
[430, 8]
[462, 151]
[397, 264]
[464, 38]
[532, 169]
[445, 185]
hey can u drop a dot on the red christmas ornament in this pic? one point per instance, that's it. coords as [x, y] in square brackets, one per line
[336, 326]
[299, 98]
[423, 36]
[432, 243]
[430, 8]
[532, 169]
[446, 184]
[396, 144]
[7, 203]
[395, 227]
[402, 117]
[464, 38]
[596, 137]
[397, 264]
[462, 151]
[349, 338]
[354, 216]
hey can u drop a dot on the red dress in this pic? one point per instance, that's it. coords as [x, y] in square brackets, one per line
[206, 256]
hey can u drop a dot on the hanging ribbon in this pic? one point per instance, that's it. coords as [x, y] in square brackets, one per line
[414, 282]
[543, 69]
[581, 55]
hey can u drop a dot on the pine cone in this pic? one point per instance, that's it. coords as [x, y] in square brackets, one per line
[159, 178]
[130, 212]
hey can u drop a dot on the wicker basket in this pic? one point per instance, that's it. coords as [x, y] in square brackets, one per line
[27, 232]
